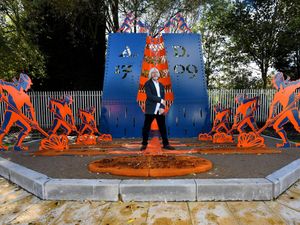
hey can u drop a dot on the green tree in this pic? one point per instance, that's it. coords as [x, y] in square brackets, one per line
[17, 51]
[223, 67]
[213, 40]
[71, 35]
[287, 57]
[155, 12]
[255, 27]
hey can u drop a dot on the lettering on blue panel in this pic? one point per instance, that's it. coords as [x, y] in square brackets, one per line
[189, 112]
[125, 53]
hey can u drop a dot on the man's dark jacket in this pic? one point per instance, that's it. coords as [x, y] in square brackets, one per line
[152, 97]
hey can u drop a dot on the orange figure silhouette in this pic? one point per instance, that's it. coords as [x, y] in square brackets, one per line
[63, 116]
[88, 125]
[221, 122]
[220, 125]
[17, 99]
[246, 109]
[88, 129]
[287, 98]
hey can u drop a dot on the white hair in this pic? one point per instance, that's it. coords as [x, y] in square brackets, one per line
[154, 69]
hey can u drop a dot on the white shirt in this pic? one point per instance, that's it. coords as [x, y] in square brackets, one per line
[156, 84]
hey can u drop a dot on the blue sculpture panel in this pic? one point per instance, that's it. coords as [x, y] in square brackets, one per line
[121, 115]
[124, 59]
[189, 113]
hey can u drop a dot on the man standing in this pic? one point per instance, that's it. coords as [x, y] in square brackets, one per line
[155, 107]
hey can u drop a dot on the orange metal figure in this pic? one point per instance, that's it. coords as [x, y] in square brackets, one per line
[63, 116]
[246, 109]
[16, 99]
[220, 124]
[88, 125]
[88, 129]
[287, 98]
[221, 119]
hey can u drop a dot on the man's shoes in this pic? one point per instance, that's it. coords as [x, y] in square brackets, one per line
[168, 147]
[143, 147]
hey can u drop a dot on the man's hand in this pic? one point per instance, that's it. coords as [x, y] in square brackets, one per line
[161, 111]
[163, 102]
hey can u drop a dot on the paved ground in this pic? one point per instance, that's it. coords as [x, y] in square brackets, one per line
[224, 166]
[20, 207]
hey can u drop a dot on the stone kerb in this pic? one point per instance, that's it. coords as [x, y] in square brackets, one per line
[283, 178]
[152, 190]
[28, 179]
[234, 189]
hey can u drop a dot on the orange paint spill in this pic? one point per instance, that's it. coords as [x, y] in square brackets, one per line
[154, 147]
[151, 165]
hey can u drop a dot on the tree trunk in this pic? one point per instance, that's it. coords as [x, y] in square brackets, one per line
[115, 14]
[264, 70]
[298, 62]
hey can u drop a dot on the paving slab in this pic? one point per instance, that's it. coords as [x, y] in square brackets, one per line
[35, 212]
[295, 188]
[13, 196]
[126, 213]
[83, 213]
[234, 189]
[290, 216]
[290, 199]
[6, 188]
[248, 213]
[169, 213]
[27, 209]
[82, 189]
[11, 209]
[158, 190]
[205, 213]
[50, 216]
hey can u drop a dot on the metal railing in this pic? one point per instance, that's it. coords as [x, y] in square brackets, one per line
[81, 99]
[226, 98]
[85, 99]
